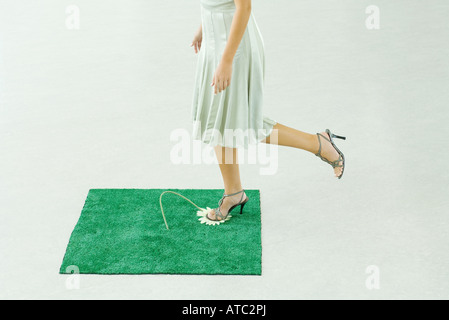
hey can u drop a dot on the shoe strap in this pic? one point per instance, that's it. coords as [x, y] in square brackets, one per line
[227, 195]
[231, 194]
[319, 140]
[217, 211]
[334, 164]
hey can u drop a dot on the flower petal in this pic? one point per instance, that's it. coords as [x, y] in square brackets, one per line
[204, 219]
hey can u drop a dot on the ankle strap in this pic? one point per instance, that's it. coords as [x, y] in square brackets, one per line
[227, 195]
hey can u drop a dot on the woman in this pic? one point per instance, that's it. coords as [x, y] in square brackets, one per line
[229, 115]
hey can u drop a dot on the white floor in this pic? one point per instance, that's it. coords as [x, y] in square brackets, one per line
[95, 107]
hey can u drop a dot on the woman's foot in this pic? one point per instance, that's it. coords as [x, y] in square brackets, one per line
[329, 152]
[227, 203]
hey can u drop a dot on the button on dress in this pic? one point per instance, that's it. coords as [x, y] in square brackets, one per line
[233, 117]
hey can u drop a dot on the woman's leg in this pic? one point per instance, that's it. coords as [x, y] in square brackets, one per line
[229, 167]
[291, 137]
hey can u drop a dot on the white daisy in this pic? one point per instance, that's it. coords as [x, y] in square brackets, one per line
[204, 219]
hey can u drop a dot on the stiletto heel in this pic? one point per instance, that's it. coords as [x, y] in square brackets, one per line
[339, 137]
[218, 212]
[241, 207]
[341, 157]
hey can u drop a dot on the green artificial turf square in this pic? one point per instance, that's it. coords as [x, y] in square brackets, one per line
[122, 231]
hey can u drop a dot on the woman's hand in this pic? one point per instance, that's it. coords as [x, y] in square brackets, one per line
[197, 39]
[222, 76]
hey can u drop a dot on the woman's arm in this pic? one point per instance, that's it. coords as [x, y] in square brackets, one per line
[223, 74]
[238, 27]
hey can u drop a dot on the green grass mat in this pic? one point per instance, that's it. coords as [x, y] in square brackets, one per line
[121, 231]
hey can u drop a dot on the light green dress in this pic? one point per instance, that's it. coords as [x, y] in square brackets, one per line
[234, 117]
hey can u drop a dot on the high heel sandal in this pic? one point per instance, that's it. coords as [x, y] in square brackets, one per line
[341, 157]
[218, 213]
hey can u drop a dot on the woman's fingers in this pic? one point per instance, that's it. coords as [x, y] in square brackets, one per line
[217, 85]
[220, 85]
[196, 45]
[223, 85]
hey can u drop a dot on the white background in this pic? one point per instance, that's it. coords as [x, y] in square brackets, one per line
[94, 108]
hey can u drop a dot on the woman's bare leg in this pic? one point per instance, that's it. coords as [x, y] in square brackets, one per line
[286, 136]
[291, 137]
[229, 167]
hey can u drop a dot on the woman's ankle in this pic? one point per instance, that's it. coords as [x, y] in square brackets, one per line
[232, 190]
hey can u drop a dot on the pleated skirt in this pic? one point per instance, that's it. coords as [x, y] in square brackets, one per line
[234, 117]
